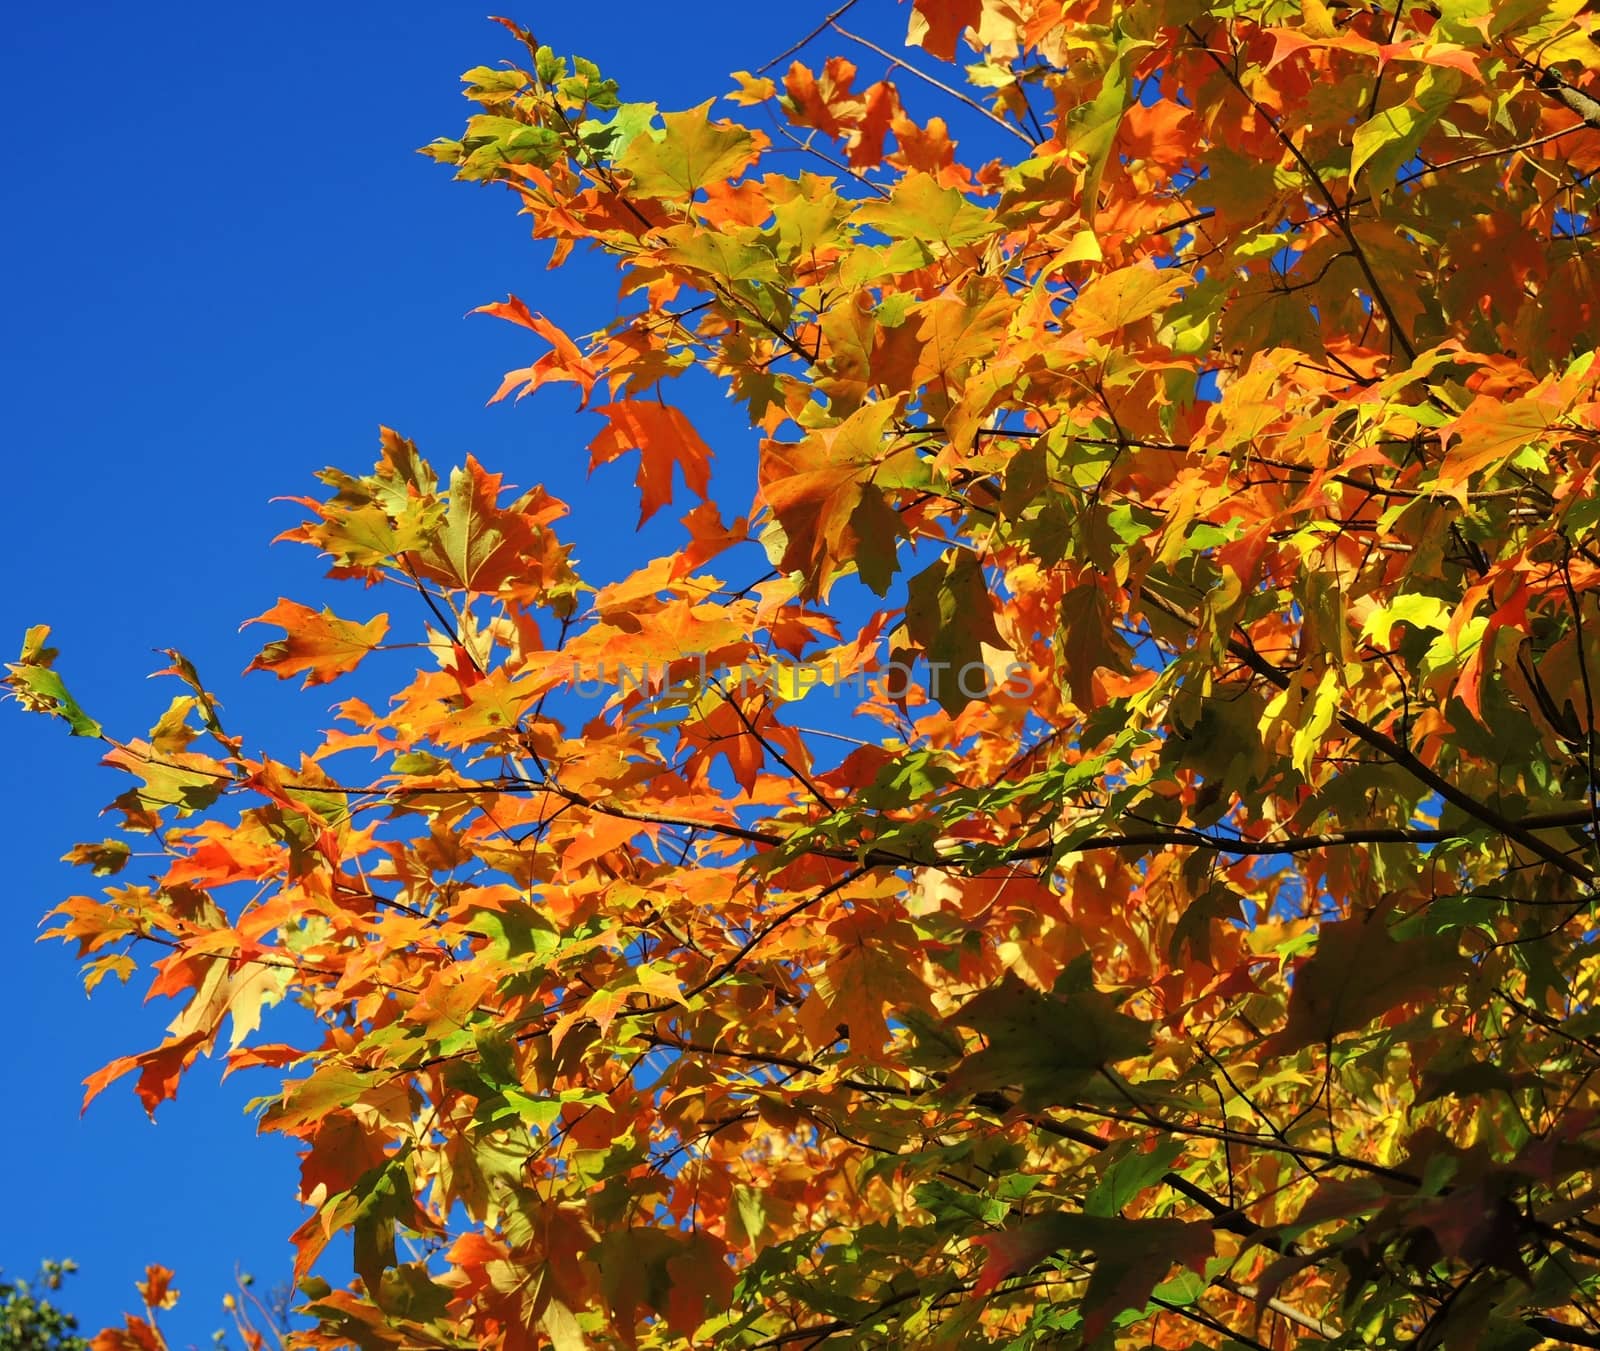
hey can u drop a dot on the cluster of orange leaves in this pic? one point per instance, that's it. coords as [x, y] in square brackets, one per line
[1219, 971]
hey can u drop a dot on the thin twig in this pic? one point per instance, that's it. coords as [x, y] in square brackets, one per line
[896, 63]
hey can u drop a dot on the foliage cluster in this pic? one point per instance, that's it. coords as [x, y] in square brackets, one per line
[1232, 983]
[29, 1319]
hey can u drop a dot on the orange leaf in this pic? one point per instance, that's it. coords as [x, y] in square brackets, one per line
[322, 645]
[663, 437]
[156, 1287]
[565, 362]
[134, 1335]
[937, 25]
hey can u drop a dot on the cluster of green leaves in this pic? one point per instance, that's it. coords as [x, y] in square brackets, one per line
[30, 1321]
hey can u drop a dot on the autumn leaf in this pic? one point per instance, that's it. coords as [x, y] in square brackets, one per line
[321, 645]
[1360, 971]
[1049, 1047]
[156, 1289]
[1489, 433]
[1131, 1257]
[936, 26]
[1116, 299]
[920, 208]
[1386, 141]
[949, 615]
[37, 687]
[664, 437]
[689, 153]
[105, 858]
[827, 494]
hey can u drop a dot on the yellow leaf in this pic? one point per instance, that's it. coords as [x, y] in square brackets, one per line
[1120, 298]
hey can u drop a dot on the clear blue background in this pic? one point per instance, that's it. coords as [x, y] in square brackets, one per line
[226, 266]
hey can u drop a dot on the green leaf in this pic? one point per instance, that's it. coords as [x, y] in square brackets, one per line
[949, 615]
[1091, 128]
[1050, 1047]
[408, 1292]
[1382, 144]
[385, 1196]
[919, 208]
[610, 139]
[1419, 611]
[331, 1086]
[40, 690]
[674, 164]
[1130, 1172]
[515, 142]
[959, 1205]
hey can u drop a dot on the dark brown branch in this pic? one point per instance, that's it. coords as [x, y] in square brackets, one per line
[1337, 211]
[1564, 1333]
[1554, 84]
[1400, 755]
[1518, 829]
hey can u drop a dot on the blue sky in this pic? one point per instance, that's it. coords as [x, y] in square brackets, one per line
[227, 268]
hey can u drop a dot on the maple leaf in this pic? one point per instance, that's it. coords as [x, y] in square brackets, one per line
[1489, 433]
[480, 546]
[664, 437]
[949, 615]
[1131, 1256]
[921, 208]
[136, 1334]
[689, 153]
[1116, 299]
[105, 858]
[36, 686]
[181, 780]
[564, 362]
[1360, 971]
[864, 973]
[880, 106]
[159, 1071]
[156, 1288]
[752, 88]
[937, 25]
[826, 494]
[320, 644]
[1050, 1047]
[813, 105]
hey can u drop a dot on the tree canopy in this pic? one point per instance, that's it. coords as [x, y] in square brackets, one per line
[1090, 841]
